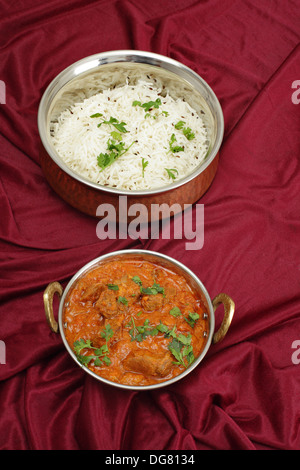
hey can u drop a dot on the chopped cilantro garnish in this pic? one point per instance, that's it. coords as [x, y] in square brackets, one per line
[113, 286]
[175, 348]
[149, 105]
[137, 280]
[113, 121]
[182, 349]
[144, 164]
[96, 115]
[207, 153]
[187, 132]
[116, 150]
[175, 148]
[155, 289]
[139, 333]
[100, 355]
[81, 344]
[104, 159]
[162, 328]
[179, 125]
[122, 300]
[180, 345]
[192, 318]
[108, 332]
[112, 145]
[175, 311]
[171, 171]
[116, 135]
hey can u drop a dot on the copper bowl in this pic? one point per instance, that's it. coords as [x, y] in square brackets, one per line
[179, 80]
[159, 259]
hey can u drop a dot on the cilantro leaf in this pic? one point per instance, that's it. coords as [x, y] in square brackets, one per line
[98, 362]
[187, 132]
[175, 348]
[170, 172]
[116, 150]
[107, 360]
[184, 339]
[108, 332]
[179, 125]
[144, 164]
[155, 289]
[104, 159]
[139, 333]
[112, 145]
[175, 148]
[81, 344]
[122, 300]
[189, 354]
[147, 106]
[137, 280]
[113, 286]
[162, 328]
[151, 104]
[182, 349]
[192, 318]
[100, 354]
[120, 126]
[116, 135]
[171, 333]
[84, 360]
[96, 115]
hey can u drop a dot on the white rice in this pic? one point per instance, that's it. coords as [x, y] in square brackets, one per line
[78, 140]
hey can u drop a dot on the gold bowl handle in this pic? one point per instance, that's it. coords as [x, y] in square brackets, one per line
[229, 307]
[52, 289]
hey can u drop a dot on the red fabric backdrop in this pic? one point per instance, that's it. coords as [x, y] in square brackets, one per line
[245, 395]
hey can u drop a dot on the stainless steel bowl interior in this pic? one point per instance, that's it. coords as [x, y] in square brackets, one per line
[115, 68]
[166, 262]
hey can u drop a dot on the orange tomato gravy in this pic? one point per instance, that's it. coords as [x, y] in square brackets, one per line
[117, 318]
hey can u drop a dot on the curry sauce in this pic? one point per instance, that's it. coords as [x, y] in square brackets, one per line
[135, 322]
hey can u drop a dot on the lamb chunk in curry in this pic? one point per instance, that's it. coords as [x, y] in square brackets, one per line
[156, 301]
[117, 299]
[170, 293]
[107, 303]
[91, 292]
[129, 289]
[149, 363]
[152, 302]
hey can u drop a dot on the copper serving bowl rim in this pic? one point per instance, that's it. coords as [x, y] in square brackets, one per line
[134, 254]
[94, 61]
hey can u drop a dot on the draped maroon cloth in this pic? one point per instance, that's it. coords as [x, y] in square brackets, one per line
[245, 394]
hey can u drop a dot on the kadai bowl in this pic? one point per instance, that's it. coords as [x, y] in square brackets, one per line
[136, 319]
[129, 123]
